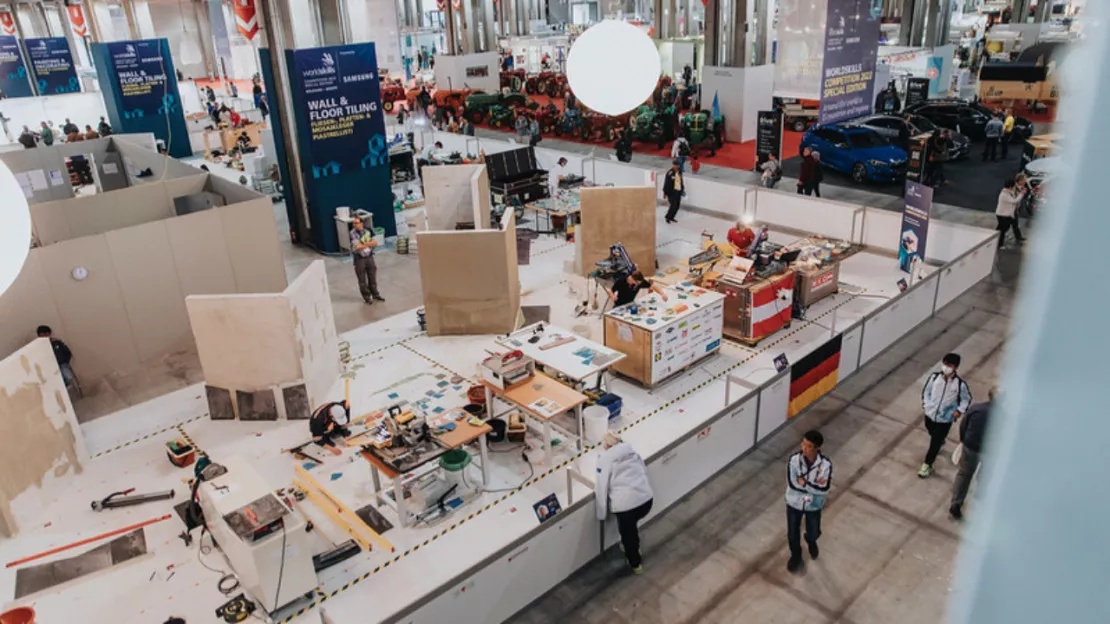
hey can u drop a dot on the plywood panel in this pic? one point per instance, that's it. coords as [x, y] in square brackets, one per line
[252, 246]
[638, 363]
[200, 254]
[314, 331]
[87, 216]
[468, 284]
[92, 309]
[449, 197]
[151, 292]
[186, 186]
[25, 305]
[617, 214]
[39, 435]
[245, 342]
[50, 222]
[138, 205]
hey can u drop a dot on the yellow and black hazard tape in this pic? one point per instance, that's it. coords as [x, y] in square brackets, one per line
[535, 479]
[149, 436]
[551, 249]
[435, 362]
[185, 435]
[387, 347]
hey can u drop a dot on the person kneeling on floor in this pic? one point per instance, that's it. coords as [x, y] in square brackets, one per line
[324, 429]
[623, 488]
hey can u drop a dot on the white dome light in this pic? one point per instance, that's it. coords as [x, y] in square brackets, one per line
[15, 228]
[613, 67]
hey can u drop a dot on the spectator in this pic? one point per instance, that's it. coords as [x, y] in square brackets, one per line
[818, 174]
[104, 128]
[534, 132]
[941, 142]
[234, 117]
[90, 134]
[623, 489]
[944, 399]
[366, 271]
[673, 190]
[263, 107]
[47, 135]
[993, 133]
[772, 171]
[256, 92]
[808, 478]
[69, 127]
[973, 429]
[521, 128]
[1007, 132]
[1006, 212]
[61, 353]
[27, 138]
[808, 172]
[680, 151]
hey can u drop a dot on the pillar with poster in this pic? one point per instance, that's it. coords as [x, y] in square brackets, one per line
[768, 136]
[917, 91]
[918, 161]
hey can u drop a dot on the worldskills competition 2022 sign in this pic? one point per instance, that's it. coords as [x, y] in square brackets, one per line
[341, 112]
[848, 68]
[52, 65]
[144, 85]
[13, 71]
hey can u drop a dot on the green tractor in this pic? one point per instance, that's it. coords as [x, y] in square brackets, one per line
[702, 128]
[649, 125]
[478, 105]
[501, 116]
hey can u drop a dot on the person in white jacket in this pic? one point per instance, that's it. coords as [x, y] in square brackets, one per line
[622, 488]
[1006, 212]
[808, 478]
[944, 399]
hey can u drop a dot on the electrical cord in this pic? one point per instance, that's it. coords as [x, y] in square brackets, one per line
[221, 585]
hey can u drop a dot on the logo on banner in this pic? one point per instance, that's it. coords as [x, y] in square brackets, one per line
[441, 4]
[457, 4]
[932, 73]
[246, 19]
[77, 21]
[7, 23]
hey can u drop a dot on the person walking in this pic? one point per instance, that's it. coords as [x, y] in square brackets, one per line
[47, 134]
[1007, 132]
[938, 155]
[623, 489]
[944, 398]
[993, 132]
[1009, 198]
[27, 138]
[808, 477]
[366, 271]
[680, 151]
[772, 171]
[61, 353]
[818, 174]
[673, 190]
[807, 173]
[973, 428]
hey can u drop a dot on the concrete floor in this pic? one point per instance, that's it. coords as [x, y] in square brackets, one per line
[888, 548]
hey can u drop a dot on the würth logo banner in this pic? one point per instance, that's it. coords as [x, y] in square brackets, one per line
[77, 21]
[246, 19]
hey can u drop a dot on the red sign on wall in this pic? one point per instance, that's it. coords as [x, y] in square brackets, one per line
[246, 19]
[77, 20]
[7, 23]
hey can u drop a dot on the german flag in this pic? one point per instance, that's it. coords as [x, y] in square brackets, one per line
[813, 376]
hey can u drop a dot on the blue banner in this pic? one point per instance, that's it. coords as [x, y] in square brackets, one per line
[13, 71]
[339, 108]
[915, 225]
[848, 68]
[143, 74]
[52, 66]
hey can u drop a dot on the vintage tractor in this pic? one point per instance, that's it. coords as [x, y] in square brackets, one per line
[547, 83]
[501, 116]
[478, 104]
[453, 98]
[703, 129]
[573, 123]
[603, 127]
[651, 126]
[392, 93]
[514, 79]
[548, 117]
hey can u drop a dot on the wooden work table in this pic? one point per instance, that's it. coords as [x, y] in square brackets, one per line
[540, 388]
[662, 338]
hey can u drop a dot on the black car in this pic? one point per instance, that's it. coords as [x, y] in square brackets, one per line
[967, 118]
[895, 126]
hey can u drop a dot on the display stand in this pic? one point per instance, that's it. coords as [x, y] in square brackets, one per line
[757, 309]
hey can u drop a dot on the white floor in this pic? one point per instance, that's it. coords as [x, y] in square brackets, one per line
[400, 364]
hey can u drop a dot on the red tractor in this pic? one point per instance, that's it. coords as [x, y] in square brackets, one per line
[548, 117]
[514, 79]
[601, 127]
[547, 83]
[391, 94]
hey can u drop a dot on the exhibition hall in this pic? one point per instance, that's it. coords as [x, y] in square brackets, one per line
[541, 276]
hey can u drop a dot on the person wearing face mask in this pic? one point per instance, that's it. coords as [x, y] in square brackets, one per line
[944, 399]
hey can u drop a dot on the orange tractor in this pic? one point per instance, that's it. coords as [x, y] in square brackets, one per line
[514, 79]
[392, 93]
[546, 83]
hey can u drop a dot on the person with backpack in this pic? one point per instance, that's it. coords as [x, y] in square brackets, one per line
[944, 398]
[772, 171]
[680, 151]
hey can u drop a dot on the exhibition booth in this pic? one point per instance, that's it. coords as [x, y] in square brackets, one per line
[484, 531]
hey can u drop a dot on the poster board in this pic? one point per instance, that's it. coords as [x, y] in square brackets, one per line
[616, 214]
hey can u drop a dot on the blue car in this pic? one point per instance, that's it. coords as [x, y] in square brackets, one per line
[857, 151]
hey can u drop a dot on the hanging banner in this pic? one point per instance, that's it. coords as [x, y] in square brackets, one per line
[220, 36]
[77, 20]
[246, 20]
[52, 65]
[342, 107]
[13, 71]
[7, 23]
[848, 67]
[768, 136]
[915, 225]
[796, 49]
[140, 69]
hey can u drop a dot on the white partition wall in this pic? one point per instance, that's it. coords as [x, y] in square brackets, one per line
[717, 196]
[965, 272]
[613, 173]
[807, 214]
[897, 318]
[727, 85]
[774, 403]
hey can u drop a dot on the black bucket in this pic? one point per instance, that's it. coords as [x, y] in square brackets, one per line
[474, 409]
[498, 433]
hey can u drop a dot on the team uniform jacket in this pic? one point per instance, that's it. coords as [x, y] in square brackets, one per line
[807, 485]
[941, 398]
[622, 482]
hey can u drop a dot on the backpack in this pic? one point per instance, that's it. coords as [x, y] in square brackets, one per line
[684, 149]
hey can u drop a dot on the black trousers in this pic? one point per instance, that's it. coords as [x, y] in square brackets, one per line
[367, 273]
[990, 149]
[630, 533]
[1008, 223]
[794, 519]
[675, 199]
[938, 433]
[1005, 144]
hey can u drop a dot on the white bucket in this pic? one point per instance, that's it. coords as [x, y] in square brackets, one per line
[596, 419]
[343, 212]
